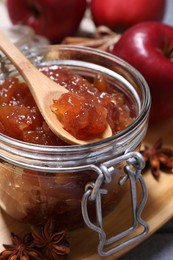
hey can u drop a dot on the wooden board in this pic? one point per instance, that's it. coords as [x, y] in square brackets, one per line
[158, 211]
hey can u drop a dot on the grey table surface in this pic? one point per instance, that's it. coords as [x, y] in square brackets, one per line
[160, 245]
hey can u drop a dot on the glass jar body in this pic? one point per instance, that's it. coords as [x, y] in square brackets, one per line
[33, 197]
[40, 182]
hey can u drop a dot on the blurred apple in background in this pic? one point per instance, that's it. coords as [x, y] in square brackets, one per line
[53, 19]
[148, 46]
[122, 14]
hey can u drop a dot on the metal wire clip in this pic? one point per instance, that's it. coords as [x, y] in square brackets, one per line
[134, 165]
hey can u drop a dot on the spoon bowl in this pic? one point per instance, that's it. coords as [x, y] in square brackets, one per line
[43, 97]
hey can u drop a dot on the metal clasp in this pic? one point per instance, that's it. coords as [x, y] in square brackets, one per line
[134, 165]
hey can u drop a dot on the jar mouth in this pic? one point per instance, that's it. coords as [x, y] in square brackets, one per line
[142, 116]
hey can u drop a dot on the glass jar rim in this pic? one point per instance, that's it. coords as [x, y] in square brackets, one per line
[138, 120]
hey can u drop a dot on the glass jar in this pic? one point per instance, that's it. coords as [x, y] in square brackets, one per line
[23, 35]
[71, 183]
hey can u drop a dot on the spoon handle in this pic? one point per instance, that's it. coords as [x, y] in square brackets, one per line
[15, 55]
[35, 80]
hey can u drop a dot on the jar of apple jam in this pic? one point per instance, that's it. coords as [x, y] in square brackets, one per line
[42, 176]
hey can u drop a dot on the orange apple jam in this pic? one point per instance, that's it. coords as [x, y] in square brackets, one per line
[85, 110]
[79, 115]
[38, 183]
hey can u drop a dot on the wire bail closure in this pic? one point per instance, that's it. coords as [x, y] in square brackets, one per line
[134, 165]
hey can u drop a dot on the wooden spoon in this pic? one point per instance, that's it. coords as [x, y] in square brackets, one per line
[44, 91]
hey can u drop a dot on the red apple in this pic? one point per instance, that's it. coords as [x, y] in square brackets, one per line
[53, 19]
[148, 47]
[122, 14]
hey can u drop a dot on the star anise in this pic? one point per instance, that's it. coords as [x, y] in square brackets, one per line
[158, 158]
[20, 249]
[51, 241]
